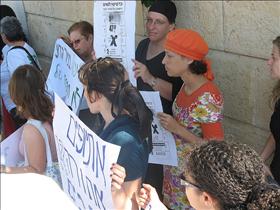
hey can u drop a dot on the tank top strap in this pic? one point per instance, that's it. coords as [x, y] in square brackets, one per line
[39, 125]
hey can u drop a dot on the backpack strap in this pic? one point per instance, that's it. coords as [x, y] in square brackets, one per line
[28, 53]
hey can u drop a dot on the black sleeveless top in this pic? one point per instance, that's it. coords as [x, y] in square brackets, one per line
[157, 69]
[275, 130]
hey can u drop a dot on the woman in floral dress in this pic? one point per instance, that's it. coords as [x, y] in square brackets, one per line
[197, 109]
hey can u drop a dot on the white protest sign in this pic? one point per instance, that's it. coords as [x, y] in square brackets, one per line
[63, 76]
[84, 160]
[114, 22]
[164, 148]
[10, 155]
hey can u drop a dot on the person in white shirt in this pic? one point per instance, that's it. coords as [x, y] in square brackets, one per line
[15, 53]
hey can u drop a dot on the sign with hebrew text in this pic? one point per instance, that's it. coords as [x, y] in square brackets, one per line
[84, 160]
[63, 75]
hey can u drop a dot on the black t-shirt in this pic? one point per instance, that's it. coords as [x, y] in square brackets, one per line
[275, 130]
[157, 69]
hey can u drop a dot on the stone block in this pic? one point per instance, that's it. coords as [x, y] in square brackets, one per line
[250, 26]
[43, 8]
[140, 17]
[205, 17]
[45, 63]
[73, 10]
[262, 90]
[233, 74]
[246, 86]
[44, 31]
[245, 133]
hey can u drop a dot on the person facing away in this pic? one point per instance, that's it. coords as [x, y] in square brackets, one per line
[81, 40]
[16, 52]
[223, 176]
[197, 109]
[127, 120]
[273, 142]
[37, 144]
[150, 72]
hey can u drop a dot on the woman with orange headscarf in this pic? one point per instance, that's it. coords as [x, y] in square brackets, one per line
[197, 109]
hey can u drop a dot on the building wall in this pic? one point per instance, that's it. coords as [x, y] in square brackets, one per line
[239, 34]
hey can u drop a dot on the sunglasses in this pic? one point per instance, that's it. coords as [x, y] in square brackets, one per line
[186, 183]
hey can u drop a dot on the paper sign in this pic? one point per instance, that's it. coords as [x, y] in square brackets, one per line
[164, 148]
[63, 76]
[114, 24]
[84, 160]
[10, 155]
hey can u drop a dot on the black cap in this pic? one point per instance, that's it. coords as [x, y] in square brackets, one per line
[165, 7]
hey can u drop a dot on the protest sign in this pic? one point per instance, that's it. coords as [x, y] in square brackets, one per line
[63, 76]
[164, 147]
[115, 23]
[10, 155]
[84, 160]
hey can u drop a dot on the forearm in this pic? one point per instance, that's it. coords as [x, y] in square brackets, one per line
[187, 135]
[268, 148]
[164, 87]
[17, 170]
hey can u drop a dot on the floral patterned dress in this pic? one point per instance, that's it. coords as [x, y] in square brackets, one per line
[201, 114]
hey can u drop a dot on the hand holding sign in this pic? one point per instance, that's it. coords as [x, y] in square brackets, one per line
[148, 198]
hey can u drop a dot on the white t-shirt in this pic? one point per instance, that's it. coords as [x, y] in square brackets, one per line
[13, 59]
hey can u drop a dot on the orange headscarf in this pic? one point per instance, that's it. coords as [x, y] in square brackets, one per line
[189, 44]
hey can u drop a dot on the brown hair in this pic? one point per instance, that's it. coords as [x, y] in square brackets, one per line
[107, 76]
[233, 173]
[27, 90]
[84, 27]
[276, 89]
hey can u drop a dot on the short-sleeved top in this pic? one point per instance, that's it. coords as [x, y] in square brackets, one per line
[157, 69]
[275, 130]
[123, 131]
[13, 59]
[201, 112]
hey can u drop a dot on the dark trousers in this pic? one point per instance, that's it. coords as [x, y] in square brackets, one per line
[154, 177]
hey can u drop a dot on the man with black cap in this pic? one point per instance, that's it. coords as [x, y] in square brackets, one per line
[150, 72]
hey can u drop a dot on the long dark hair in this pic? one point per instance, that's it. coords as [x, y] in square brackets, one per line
[233, 173]
[107, 76]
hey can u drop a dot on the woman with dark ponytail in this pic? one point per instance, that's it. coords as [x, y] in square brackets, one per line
[223, 176]
[127, 122]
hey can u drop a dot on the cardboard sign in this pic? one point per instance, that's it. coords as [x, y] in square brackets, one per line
[10, 155]
[84, 160]
[63, 76]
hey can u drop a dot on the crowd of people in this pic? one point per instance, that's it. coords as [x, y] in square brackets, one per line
[212, 173]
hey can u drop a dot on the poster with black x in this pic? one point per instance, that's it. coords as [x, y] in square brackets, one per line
[114, 32]
[164, 148]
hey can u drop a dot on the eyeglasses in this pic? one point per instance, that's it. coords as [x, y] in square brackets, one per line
[77, 41]
[184, 182]
[156, 22]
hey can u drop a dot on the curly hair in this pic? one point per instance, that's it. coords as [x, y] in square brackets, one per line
[231, 173]
[27, 90]
[276, 89]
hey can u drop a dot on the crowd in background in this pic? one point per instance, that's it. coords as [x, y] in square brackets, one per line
[211, 173]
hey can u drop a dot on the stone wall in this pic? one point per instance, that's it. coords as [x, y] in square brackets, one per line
[239, 34]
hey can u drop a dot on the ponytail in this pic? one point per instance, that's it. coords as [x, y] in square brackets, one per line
[128, 98]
